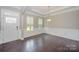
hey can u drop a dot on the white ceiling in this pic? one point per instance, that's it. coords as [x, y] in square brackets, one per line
[46, 9]
[41, 9]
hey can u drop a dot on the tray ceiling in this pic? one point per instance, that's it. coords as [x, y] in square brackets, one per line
[46, 9]
[41, 9]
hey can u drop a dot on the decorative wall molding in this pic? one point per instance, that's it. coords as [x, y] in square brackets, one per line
[72, 34]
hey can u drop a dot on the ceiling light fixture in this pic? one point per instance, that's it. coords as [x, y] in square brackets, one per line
[49, 19]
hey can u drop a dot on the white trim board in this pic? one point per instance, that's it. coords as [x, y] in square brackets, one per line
[66, 33]
[32, 33]
[21, 10]
[63, 11]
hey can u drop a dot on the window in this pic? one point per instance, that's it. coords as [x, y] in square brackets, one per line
[29, 22]
[40, 23]
[10, 19]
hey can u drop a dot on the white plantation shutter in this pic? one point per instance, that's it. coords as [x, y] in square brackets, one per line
[29, 21]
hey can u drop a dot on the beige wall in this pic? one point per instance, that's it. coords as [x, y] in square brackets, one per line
[65, 20]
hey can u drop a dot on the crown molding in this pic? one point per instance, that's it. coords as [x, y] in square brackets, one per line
[56, 11]
[70, 9]
[28, 12]
[31, 11]
[22, 9]
[66, 7]
[34, 10]
[10, 8]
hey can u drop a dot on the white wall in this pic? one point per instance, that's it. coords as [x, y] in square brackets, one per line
[0, 28]
[0, 37]
[1, 40]
[62, 32]
[25, 33]
[12, 12]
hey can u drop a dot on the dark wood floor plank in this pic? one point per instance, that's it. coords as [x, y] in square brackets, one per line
[41, 43]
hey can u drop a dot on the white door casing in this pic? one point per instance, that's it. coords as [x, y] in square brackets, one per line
[10, 24]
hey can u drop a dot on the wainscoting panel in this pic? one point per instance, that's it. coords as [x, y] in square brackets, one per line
[66, 33]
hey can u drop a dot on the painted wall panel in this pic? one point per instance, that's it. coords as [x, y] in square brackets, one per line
[66, 33]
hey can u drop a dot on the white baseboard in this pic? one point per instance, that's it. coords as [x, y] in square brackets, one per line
[66, 33]
[62, 32]
[32, 33]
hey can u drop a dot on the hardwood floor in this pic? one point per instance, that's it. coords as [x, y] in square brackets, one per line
[41, 43]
